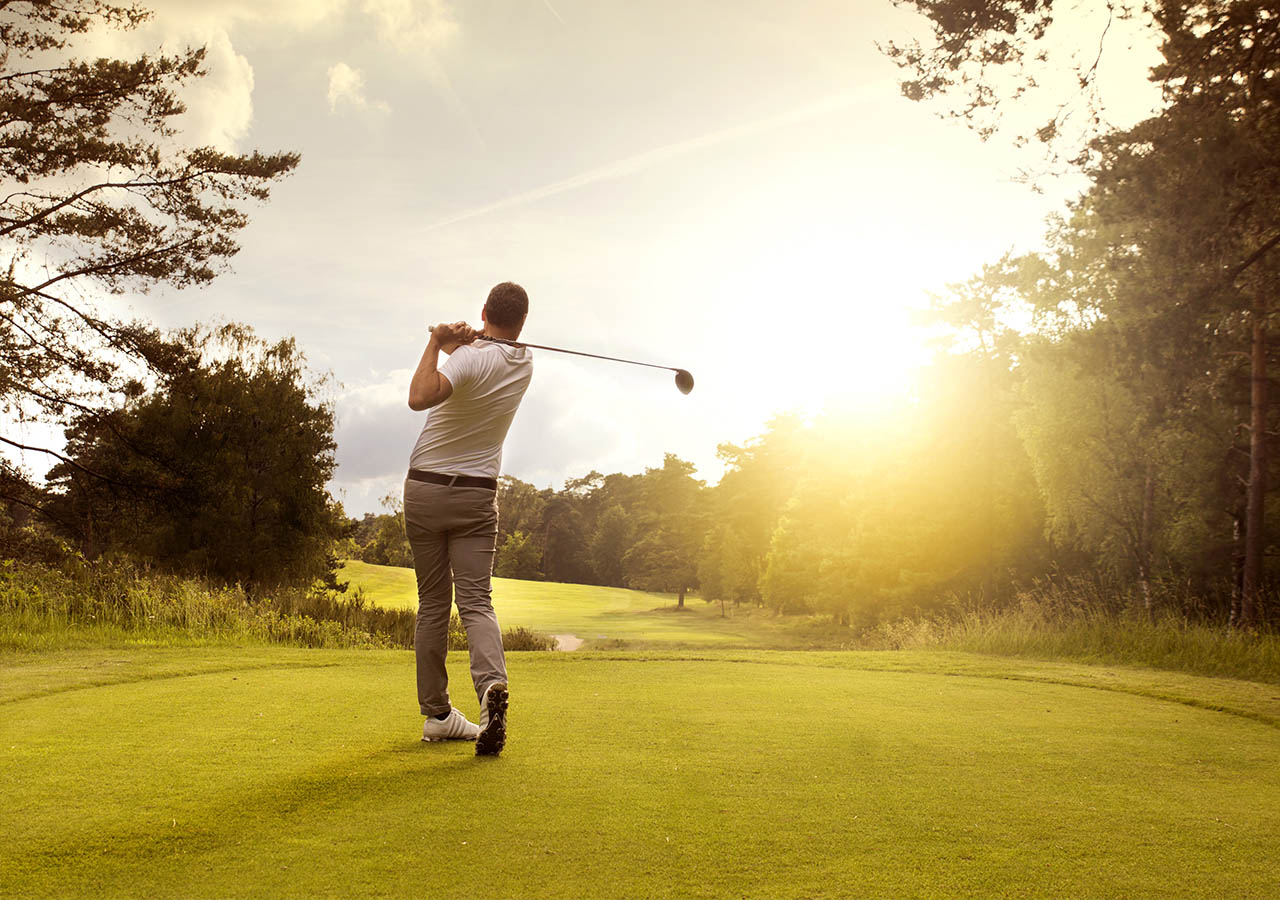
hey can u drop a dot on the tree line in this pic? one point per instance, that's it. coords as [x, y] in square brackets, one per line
[640, 531]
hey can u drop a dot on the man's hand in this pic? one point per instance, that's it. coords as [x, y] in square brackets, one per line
[428, 387]
[449, 337]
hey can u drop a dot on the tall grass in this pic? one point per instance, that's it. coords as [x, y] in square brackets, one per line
[79, 601]
[117, 601]
[1067, 623]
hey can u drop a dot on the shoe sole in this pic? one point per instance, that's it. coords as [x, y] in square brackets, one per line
[441, 740]
[494, 737]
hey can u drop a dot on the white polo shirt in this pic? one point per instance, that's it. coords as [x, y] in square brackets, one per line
[464, 434]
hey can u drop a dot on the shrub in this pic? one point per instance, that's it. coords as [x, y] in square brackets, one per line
[518, 638]
[521, 638]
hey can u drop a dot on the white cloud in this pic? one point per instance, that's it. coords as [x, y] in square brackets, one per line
[346, 87]
[375, 428]
[291, 13]
[420, 29]
[412, 25]
[220, 105]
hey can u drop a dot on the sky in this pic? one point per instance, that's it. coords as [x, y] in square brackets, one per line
[736, 188]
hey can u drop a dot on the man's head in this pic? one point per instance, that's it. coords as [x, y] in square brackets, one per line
[506, 308]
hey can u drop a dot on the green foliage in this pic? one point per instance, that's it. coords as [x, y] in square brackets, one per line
[745, 507]
[671, 528]
[382, 539]
[564, 540]
[613, 536]
[1095, 457]
[519, 557]
[521, 638]
[520, 507]
[457, 634]
[641, 530]
[790, 576]
[219, 470]
[728, 569]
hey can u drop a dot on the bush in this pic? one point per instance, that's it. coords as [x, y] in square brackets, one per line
[457, 634]
[518, 638]
[521, 638]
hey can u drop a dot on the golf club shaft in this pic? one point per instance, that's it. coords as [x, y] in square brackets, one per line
[485, 337]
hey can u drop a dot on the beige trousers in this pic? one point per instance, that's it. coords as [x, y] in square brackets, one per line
[452, 531]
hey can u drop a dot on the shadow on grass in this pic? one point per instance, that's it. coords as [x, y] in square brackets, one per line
[435, 772]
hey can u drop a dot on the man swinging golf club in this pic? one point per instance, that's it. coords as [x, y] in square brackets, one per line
[451, 510]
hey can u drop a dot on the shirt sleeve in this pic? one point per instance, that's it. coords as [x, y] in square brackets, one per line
[460, 367]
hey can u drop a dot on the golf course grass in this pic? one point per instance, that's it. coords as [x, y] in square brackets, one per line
[271, 772]
[598, 616]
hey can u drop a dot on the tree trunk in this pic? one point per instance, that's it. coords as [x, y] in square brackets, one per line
[1237, 566]
[1254, 538]
[680, 601]
[1144, 540]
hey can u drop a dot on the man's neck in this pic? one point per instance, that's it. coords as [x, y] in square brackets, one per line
[506, 334]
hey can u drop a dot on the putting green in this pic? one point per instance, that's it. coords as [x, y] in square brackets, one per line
[592, 613]
[217, 772]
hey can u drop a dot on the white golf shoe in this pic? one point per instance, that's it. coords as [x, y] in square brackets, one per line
[454, 727]
[493, 720]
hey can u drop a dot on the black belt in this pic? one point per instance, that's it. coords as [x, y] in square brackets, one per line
[454, 480]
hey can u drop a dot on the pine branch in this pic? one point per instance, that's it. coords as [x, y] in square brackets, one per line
[69, 461]
[132, 186]
[104, 268]
[40, 509]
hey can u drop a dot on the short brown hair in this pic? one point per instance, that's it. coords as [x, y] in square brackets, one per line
[507, 305]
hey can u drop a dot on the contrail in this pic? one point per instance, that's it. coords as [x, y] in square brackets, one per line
[547, 3]
[649, 158]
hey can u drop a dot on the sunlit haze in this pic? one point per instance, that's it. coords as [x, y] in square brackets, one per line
[737, 189]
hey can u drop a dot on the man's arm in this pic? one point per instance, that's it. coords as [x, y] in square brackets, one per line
[428, 387]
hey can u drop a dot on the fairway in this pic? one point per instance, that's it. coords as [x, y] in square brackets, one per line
[593, 614]
[279, 772]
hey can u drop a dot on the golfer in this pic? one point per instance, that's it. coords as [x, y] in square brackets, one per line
[451, 508]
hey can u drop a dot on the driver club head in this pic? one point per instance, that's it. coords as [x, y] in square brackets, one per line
[684, 381]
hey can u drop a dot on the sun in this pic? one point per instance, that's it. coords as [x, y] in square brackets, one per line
[861, 348]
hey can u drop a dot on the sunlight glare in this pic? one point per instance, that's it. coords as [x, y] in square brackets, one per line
[858, 299]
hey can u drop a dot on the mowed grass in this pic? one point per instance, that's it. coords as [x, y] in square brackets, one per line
[225, 772]
[596, 615]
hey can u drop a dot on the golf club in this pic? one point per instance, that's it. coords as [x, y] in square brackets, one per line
[684, 381]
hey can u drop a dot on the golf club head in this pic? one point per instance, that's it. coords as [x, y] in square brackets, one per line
[684, 381]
